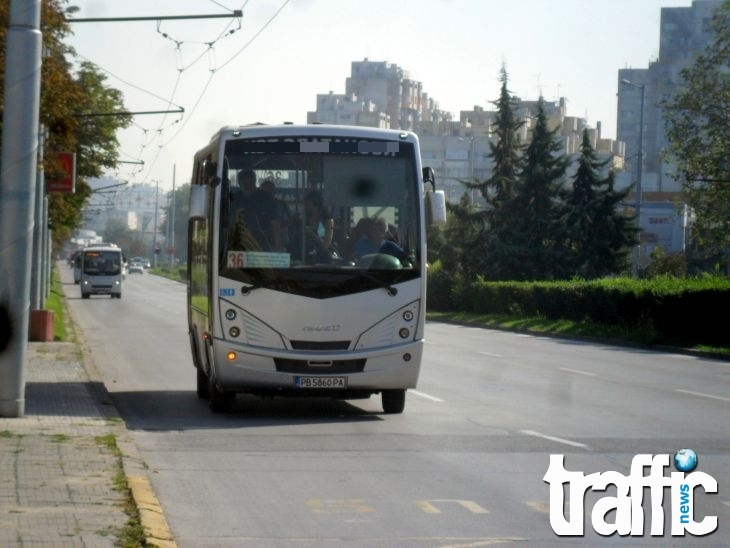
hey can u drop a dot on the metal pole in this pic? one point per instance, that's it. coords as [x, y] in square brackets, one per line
[47, 255]
[234, 13]
[36, 285]
[471, 167]
[639, 170]
[154, 228]
[17, 196]
[172, 223]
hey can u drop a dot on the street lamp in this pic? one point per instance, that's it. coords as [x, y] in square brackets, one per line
[639, 161]
[470, 140]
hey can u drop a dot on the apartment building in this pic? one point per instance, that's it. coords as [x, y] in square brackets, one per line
[381, 94]
[684, 33]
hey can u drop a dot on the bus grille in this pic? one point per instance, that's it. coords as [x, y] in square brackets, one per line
[333, 367]
[320, 345]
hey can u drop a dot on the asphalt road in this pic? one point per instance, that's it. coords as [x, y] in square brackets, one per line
[462, 466]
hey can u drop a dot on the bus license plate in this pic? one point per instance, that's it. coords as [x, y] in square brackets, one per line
[320, 382]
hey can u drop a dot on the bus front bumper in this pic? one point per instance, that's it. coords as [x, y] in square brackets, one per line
[247, 369]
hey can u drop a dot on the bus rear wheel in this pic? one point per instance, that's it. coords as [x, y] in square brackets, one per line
[394, 400]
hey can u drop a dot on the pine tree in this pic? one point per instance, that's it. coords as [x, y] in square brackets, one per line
[597, 234]
[506, 152]
[533, 237]
[487, 250]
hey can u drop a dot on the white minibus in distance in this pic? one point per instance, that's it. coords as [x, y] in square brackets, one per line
[101, 271]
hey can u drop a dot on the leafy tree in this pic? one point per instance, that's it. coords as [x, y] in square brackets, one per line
[531, 231]
[66, 94]
[453, 243]
[138, 247]
[117, 232]
[699, 134]
[598, 234]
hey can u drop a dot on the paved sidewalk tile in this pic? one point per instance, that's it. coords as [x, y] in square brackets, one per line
[57, 474]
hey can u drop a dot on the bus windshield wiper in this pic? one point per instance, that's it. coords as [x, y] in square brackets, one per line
[392, 290]
[246, 289]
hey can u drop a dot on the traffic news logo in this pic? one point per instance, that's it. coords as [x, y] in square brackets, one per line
[629, 512]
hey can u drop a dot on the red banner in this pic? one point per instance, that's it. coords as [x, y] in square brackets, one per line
[67, 182]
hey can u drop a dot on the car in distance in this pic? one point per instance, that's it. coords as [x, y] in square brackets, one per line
[135, 267]
[144, 262]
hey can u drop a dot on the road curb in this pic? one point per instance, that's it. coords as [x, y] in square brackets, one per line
[150, 513]
[152, 518]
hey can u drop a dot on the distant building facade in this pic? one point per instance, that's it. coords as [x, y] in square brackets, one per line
[136, 205]
[377, 94]
[684, 34]
[381, 94]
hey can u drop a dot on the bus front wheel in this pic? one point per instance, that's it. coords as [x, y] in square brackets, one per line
[202, 384]
[218, 400]
[394, 400]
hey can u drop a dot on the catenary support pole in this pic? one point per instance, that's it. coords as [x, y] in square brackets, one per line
[17, 196]
[37, 267]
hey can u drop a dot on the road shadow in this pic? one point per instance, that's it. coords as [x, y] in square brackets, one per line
[164, 410]
[68, 399]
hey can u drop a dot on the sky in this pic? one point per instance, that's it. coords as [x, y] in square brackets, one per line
[270, 65]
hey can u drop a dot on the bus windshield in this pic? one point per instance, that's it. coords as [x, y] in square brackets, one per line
[102, 263]
[320, 215]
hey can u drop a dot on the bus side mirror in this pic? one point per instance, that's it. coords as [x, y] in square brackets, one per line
[435, 200]
[198, 202]
[429, 177]
[435, 207]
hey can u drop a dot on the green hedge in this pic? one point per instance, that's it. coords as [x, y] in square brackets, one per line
[686, 311]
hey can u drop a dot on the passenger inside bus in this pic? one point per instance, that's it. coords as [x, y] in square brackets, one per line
[319, 226]
[283, 214]
[256, 224]
[375, 239]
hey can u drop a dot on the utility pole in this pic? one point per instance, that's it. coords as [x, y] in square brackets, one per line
[155, 249]
[639, 170]
[36, 280]
[17, 196]
[171, 241]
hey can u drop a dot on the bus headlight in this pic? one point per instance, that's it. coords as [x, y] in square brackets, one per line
[230, 314]
[234, 332]
[399, 326]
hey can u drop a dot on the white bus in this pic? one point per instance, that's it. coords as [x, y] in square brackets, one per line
[101, 271]
[272, 310]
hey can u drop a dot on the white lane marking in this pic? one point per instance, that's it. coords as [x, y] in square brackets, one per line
[541, 506]
[553, 438]
[701, 394]
[427, 396]
[577, 372]
[490, 354]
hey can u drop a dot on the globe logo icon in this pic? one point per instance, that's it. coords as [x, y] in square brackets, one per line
[685, 460]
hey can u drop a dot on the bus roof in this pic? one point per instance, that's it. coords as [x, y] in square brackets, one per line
[263, 130]
[102, 247]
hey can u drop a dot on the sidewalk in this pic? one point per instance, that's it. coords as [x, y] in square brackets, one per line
[60, 464]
